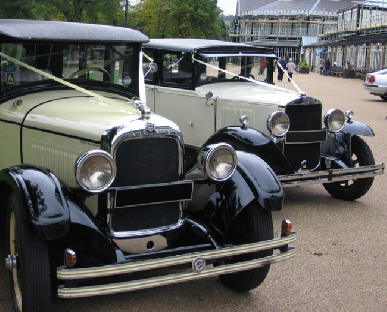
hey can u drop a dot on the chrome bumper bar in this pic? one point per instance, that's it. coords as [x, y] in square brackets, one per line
[139, 266]
[331, 175]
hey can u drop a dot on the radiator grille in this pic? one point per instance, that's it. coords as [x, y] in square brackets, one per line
[147, 161]
[304, 117]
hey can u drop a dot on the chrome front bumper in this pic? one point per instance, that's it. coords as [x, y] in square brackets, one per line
[66, 274]
[331, 175]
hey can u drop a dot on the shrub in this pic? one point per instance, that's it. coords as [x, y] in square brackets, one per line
[304, 67]
[349, 72]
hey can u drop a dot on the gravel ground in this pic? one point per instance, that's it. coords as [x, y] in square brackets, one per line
[341, 259]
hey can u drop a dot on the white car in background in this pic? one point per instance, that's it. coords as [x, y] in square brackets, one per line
[376, 83]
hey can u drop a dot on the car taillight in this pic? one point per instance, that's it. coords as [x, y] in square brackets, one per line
[372, 79]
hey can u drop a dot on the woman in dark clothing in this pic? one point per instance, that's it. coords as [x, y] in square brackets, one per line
[280, 70]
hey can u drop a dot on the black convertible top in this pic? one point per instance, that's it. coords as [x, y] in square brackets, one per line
[206, 46]
[54, 31]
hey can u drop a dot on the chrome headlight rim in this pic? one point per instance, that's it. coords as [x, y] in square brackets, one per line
[205, 160]
[271, 126]
[82, 160]
[329, 119]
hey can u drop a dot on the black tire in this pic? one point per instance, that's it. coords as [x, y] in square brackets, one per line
[383, 97]
[252, 225]
[30, 280]
[354, 189]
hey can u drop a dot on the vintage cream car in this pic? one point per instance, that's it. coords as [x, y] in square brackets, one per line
[93, 185]
[209, 88]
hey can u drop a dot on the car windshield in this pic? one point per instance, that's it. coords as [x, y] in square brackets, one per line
[227, 68]
[115, 64]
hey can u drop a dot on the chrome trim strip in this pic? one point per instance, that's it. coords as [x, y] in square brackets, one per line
[114, 288]
[109, 270]
[331, 175]
[146, 232]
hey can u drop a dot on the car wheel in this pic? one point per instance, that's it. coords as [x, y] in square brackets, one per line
[354, 189]
[28, 261]
[384, 97]
[252, 225]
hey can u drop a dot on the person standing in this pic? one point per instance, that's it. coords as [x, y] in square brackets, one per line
[281, 68]
[327, 67]
[291, 68]
[262, 65]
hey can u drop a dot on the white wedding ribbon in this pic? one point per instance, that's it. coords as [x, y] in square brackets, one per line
[61, 81]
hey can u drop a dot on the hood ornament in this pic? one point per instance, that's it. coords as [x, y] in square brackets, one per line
[144, 110]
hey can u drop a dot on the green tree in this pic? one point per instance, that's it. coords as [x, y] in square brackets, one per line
[94, 11]
[16, 9]
[175, 18]
[73, 10]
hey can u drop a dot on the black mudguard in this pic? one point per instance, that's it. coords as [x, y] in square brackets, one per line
[255, 142]
[40, 192]
[339, 144]
[55, 213]
[253, 180]
[357, 128]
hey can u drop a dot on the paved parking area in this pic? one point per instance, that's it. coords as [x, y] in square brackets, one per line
[341, 260]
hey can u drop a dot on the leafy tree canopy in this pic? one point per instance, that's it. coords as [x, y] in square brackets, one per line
[176, 18]
[94, 11]
[156, 18]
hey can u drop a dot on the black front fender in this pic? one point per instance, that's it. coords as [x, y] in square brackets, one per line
[339, 144]
[262, 181]
[56, 213]
[42, 196]
[354, 127]
[253, 180]
[252, 141]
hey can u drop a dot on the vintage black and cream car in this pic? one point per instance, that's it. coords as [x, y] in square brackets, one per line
[217, 90]
[99, 195]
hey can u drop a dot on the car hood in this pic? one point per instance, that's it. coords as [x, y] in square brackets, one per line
[261, 93]
[71, 112]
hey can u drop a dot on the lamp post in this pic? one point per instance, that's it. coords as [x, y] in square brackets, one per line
[126, 13]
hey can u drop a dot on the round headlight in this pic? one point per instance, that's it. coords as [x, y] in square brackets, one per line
[95, 171]
[334, 120]
[278, 123]
[218, 161]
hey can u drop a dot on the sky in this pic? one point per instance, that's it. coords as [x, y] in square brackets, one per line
[228, 6]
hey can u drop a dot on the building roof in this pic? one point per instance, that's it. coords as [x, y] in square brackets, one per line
[279, 43]
[36, 30]
[374, 3]
[301, 5]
